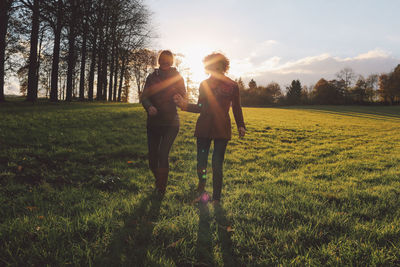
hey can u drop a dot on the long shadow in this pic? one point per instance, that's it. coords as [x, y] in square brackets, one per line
[224, 236]
[363, 112]
[130, 243]
[205, 244]
[204, 253]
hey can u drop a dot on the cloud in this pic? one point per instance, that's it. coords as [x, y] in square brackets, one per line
[393, 38]
[310, 69]
[377, 53]
[259, 51]
[270, 42]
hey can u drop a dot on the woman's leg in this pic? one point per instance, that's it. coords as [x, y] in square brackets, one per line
[217, 163]
[203, 147]
[168, 137]
[153, 144]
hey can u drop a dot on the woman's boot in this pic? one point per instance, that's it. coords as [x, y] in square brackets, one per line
[162, 179]
[201, 186]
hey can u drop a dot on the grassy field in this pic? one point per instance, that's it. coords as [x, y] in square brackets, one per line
[306, 186]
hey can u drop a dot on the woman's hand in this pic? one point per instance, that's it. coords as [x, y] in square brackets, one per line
[152, 111]
[242, 132]
[180, 101]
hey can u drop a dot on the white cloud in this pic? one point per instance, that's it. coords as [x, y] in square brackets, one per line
[310, 69]
[377, 53]
[269, 42]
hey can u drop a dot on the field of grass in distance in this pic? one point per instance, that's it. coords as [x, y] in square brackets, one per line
[315, 185]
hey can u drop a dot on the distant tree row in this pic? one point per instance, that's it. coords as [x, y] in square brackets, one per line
[347, 89]
[74, 49]
[256, 95]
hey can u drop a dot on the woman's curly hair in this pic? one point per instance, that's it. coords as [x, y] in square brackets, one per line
[216, 62]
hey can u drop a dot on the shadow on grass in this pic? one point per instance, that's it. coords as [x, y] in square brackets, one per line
[224, 236]
[130, 244]
[45, 103]
[204, 248]
[370, 112]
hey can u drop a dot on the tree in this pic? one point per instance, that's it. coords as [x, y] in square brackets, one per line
[33, 78]
[396, 83]
[328, 92]
[104, 32]
[240, 84]
[306, 94]
[372, 87]
[389, 86]
[252, 84]
[92, 20]
[347, 75]
[73, 10]
[274, 90]
[5, 9]
[143, 61]
[359, 91]
[45, 76]
[85, 9]
[385, 89]
[293, 94]
[22, 74]
[53, 14]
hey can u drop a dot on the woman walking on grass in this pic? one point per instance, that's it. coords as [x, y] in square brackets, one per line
[216, 95]
[162, 119]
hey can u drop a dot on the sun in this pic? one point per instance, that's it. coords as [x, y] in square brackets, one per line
[192, 62]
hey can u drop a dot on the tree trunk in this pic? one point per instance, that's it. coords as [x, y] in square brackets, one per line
[32, 73]
[92, 67]
[115, 76]
[121, 79]
[83, 64]
[4, 16]
[99, 68]
[110, 86]
[71, 51]
[56, 55]
[105, 61]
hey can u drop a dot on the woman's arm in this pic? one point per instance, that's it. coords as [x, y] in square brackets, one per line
[195, 108]
[145, 99]
[181, 87]
[237, 111]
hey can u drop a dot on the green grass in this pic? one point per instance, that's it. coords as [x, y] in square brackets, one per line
[307, 186]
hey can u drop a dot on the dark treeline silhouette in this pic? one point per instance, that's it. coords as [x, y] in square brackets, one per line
[256, 95]
[347, 89]
[74, 49]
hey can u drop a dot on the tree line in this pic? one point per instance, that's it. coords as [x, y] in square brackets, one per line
[347, 89]
[74, 49]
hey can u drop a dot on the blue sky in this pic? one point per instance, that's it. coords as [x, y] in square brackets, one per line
[282, 40]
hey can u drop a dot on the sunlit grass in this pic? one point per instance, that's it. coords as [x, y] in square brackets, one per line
[306, 186]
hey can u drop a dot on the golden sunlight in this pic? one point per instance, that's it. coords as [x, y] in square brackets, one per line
[192, 62]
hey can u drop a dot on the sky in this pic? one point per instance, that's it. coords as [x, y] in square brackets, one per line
[281, 40]
[278, 40]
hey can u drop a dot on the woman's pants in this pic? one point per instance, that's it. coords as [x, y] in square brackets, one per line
[160, 140]
[203, 147]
